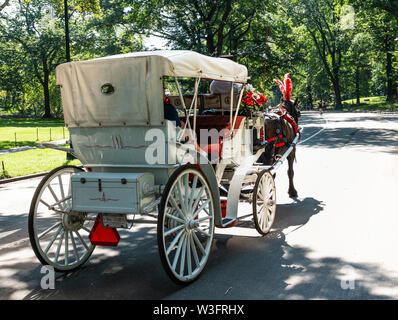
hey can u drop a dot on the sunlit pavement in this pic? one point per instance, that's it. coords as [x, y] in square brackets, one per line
[336, 241]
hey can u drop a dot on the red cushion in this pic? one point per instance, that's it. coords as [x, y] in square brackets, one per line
[212, 149]
[213, 122]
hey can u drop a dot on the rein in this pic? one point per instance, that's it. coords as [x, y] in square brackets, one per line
[282, 112]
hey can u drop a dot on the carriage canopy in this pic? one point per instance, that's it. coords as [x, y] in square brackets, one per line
[127, 89]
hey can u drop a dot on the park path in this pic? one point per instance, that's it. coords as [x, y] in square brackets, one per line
[25, 148]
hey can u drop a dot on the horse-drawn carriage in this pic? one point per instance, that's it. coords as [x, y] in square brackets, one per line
[135, 163]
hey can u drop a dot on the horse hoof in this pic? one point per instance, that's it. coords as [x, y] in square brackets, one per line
[293, 194]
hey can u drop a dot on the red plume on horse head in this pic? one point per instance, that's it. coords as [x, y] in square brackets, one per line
[286, 87]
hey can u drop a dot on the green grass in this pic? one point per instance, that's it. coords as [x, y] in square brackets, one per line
[371, 104]
[27, 132]
[33, 161]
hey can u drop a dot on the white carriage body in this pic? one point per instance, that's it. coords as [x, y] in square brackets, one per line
[108, 130]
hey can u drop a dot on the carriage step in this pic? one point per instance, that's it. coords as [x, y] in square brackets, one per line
[228, 223]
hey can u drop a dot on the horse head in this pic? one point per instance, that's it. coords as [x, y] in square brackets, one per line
[292, 108]
[287, 103]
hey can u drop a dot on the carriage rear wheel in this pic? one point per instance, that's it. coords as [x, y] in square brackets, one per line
[185, 224]
[58, 237]
[264, 202]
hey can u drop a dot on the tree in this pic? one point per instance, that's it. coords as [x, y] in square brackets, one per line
[92, 6]
[208, 26]
[33, 28]
[4, 4]
[323, 22]
[381, 22]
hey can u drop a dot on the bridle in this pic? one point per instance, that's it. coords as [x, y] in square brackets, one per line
[281, 114]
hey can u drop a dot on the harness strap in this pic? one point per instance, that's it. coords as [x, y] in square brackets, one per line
[285, 115]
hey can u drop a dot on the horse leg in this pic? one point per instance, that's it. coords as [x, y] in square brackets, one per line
[290, 172]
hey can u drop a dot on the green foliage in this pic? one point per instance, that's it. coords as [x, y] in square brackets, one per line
[333, 49]
[34, 161]
[32, 44]
[18, 132]
[371, 104]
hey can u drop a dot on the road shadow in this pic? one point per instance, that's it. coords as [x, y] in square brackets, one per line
[238, 268]
[361, 137]
[366, 139]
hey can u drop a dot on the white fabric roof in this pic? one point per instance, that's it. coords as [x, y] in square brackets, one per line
[137, 80]
[184, 63]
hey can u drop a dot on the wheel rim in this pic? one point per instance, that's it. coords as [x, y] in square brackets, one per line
[61, 238]
[265, 203]
[188, 225]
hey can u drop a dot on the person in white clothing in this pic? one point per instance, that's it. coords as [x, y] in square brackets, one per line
[222, 87]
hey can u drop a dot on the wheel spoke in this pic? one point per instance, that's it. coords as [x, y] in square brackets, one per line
[204, 204]
[174, 230]
[59, 203]
[172, 244]
[41, 235]
[186, 197]
[70, 184]
[198, 198]
[191, 196]
[180, 197]
[203, 218]
[45, 203]
[53, 239]
[74, 246]
[198, 243]
[175, 205]
[182, 262]
[182, 239]
[265, 221]
[58, 218]
[59, 247]
[82, 240]
[66, 248]
[61, 187]
[260, 218]
[188, 250]
[174, 218]
[53, 194]
[195, 254]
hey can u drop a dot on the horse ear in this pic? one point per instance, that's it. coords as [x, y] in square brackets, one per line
[295, 102]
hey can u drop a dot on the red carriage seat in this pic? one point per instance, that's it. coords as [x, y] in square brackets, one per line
[208, 122]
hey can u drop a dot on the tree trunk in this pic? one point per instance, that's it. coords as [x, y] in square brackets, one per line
[67, 41]
[309, 96]
[210, 44]
[390, 91]
[46, 91]
[337, 92]
[357, 93]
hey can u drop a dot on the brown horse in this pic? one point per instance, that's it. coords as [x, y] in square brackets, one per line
[275, 125]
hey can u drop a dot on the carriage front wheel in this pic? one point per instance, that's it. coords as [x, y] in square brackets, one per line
[264, 202]
[58, 236]
[185, 224]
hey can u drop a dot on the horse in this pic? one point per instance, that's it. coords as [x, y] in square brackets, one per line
[276, 126]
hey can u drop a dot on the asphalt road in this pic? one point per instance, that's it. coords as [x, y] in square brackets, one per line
[338, 240]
